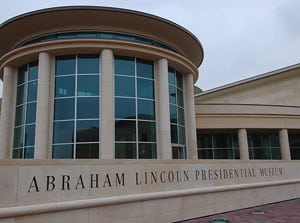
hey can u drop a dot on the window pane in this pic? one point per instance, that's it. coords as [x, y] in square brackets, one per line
[125, 108]
[147, 151]
[88, 64]
[147, 131]
[222, 141]
[145, 88]
[125, 150]
[181, 135]
[124, 86]
[173, 114]
[65, 65]
[87, 151]
[18, 153]
[174, 134]
[29, 153]
[274, 140]
[204, 140]
[125, 130]
[179, 80]
[180, 97]
[19, 137]
[21, 95]
[63, 132]
[146, 110]
[172, 94]
[145, 68]
[31, 113]
[276, 153]
[223, 154]
[171, 76]
[64, 108]
[32, 91]
[180, 116]
[20, 116]
[124, 66]
[29, 135]
[88, 85]
[65, 86]
[205, 154]
[87, 108]
[87, 131]
[62, 151]
[22, 72]
[33, 71]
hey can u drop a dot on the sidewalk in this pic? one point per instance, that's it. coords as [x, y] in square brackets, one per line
[286, 211]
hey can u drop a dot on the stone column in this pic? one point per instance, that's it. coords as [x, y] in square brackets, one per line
[243, 144]
[190, 116]
[284, 144]
[107, 129]
[7, 112]
[42, 143]
[164, 148]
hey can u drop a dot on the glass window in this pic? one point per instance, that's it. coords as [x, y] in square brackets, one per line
[180, 97]
[31, 114]
[264, 145]
[25, 113]
[147, 131]
[179, 80]
[124, 86]
[33, 71]
[173, 114]
[88, 64]
[22, 74]
[29, 135]
[146, 110]
[63, 132]
[125, 150]
[88, 85]
[147, 151]
[124, 66]
[174, 134]
[62, 151]
[134, 99]
[64, 86]
[145, 68]
[217, 145]
[20, 115]
[145, 88]
[65, 65]
[64, 109]
[87, 108]
[172, 94]
[87, 151]
[171, 76]
[32, 91]
[77, 107]
[21, 95]
[294, 140]
[19, 137]
[87, 131]
[181, 116]
[125, 130]
[125, 108]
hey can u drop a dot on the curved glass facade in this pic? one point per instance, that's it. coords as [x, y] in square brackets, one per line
[177, 114]
[98, 35]
[76, 107]
[25, 117]
[135, 127]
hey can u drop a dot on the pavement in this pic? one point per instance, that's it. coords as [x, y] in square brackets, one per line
[285, 211]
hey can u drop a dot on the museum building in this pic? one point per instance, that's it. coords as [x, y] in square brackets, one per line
[100, 116]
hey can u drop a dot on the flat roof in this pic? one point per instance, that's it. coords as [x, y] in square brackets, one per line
[69, 18]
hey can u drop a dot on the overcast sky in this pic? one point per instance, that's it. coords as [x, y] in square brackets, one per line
[241, 38]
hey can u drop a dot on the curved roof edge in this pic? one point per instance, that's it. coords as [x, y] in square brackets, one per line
[112, 9]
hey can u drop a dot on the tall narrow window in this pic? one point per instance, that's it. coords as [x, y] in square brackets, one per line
[76, 107]
[135, 127]
[177, 115]
[25, 118]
